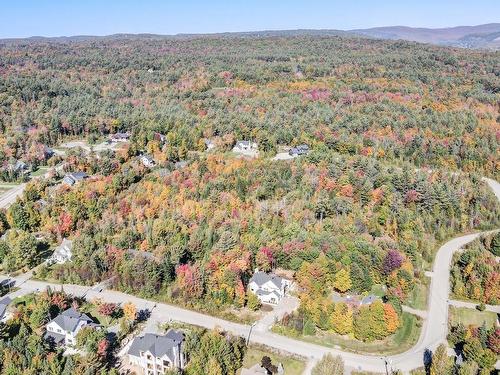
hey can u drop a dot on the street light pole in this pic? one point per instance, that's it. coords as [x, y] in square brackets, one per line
[250, 332]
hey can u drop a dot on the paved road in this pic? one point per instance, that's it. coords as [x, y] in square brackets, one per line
[433, 333]
[10, 196]
[472, 305]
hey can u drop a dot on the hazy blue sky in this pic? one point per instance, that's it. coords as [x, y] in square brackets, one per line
[21, 18]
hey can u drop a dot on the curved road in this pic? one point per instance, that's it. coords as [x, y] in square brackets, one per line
[10, 196]
[433, 332]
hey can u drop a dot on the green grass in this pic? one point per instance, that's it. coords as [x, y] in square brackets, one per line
[473, 317]
[404, 338]
[379, 290]
[39, 172]
[418, 296]
[254, 354]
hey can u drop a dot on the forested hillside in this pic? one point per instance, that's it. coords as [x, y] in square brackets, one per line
[387, 100]
[399, 134]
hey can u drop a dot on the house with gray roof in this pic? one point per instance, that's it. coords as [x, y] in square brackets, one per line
[268, 287]
[62, 330]
[75, 177]
[4, 313]
[155, 354]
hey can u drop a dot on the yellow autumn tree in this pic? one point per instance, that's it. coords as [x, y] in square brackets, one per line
[342, 281]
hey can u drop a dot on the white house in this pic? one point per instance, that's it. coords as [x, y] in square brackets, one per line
[268, 287]
[209, 144]
[4, 313]
[62, 330]
[247, 148]
[62, 253]
[155, 354]
[148, 161]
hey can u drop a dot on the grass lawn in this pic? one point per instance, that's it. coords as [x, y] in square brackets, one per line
[404, 338]
[39, 172]
[474, 317]
[254, 354]
[418, 297]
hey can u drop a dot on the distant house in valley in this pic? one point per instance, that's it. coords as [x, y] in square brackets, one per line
[209, 144]
[155, 354]
[120, 137]
[268, 287]
[62, 253]
[299, 150]
[148, 161]
[75, 177]
[246, 148]
[4, 313]
[62, 330]
[160, 138]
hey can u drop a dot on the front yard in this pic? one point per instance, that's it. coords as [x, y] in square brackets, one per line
[404, 338]
[291, 364]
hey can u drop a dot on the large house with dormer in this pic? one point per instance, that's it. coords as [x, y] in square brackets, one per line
[247, 148]
[155, 354]
[62, 330]
[268, 287]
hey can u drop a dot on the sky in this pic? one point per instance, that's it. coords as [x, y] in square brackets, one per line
[24, 18]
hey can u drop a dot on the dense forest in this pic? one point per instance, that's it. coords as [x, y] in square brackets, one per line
[395, 101]
[387, 123]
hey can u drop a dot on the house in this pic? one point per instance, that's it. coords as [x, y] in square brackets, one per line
[368, 300]
[148, 161]
[119, 137]
[299, 150]
[75, 177]
[209, 144]
[160, 138]
[268, 287]
[246, 148]
[62, 330]
[355, 301]
[155, 354]
[4, 313]
[19, 167]
[62, 253]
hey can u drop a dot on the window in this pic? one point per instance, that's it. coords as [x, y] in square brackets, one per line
[166, 363]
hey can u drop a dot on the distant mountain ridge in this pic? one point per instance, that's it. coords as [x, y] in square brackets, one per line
[480, 36]
[485, 36]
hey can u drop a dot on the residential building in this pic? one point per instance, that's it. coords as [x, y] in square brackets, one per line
[62, 253]
[119, 137]
[155, 354]
[299, 150]
[268, 287]
[4, 313]
[75, 177]
[62, 330]
[148, 161]
[246, 148]
[209, 144]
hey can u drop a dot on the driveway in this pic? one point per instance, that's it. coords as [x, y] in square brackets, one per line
[285, 306]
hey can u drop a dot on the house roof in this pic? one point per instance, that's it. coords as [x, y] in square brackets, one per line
[57, 337]
[369, 299]
[69, 319]
[256, 369]
[260, 278]
[3, 305]
[157, 345]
